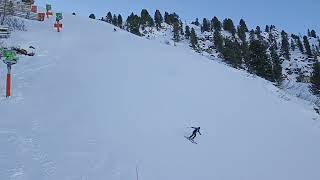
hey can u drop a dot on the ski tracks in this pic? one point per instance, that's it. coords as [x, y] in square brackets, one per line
[21, 154]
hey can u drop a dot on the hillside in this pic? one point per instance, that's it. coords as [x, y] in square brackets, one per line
[98, 104]
[296, 70]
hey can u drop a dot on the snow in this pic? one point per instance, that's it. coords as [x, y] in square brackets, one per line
[97, 104]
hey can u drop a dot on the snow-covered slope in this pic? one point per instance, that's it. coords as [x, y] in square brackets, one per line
[296, 71]
[94, 104]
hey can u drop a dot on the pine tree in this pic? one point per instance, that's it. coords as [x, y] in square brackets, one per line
[133, 24]
[205, 25]
[307, 46]
[146, 19]
[181, 28]
[252, 35]
[218, 40]
[229, 26]
[300, 45]
[194, 40]
[187, 32]
[259, 63]
[267, 29]
[92, 16]
[313, 34]
[166, 15]
[309, 33]
[242, 29]
[293, 45]
[158, 19]
[245, 53]
[315, 79]
[258, 32]
[115, 20]
[196, 22]
[285, 45]
[109, 18]
[216, 24]
[276, 65]
[176, 32]
[243, 25]
[120, 21]
[232, 53]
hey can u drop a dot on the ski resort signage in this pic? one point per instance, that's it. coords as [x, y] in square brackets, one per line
[10, 57]
[59, 17]
[58, 26]
[48, 7]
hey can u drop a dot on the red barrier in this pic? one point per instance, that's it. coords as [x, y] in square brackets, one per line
[8, 93]
[58, 26]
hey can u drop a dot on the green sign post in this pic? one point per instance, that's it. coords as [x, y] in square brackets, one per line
[48, 7]
[59, 16]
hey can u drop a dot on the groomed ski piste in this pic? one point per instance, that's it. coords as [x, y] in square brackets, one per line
[95, 104]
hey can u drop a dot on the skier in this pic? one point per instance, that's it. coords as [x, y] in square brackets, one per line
[194, 133]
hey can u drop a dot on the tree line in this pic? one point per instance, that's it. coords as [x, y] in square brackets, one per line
[257, 52]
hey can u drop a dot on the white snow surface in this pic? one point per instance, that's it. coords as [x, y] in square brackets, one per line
[94, 104]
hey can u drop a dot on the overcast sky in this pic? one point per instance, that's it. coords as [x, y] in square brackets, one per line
[295, 16]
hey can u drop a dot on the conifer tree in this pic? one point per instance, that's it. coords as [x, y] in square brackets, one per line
[176, 32]
[109, 18]
[229, 26]
[187, 32]
[307, 46]
[242, 29]
[166, 15]
[181, 28]
[194, 39]
[285, 45]
[313, 34]
[293, 45]
[276, 65]
[258, 32]
[259, 62]
[218, 40]
[267, 28]
[300, 45]
[133, 24]
[146, 19]
[120, 21]
[216, 24]
[252, 35]
[232, 53]
[115, 20]
[243, 25]
[205, 25]
[315, 79]
[309, 33]
[158, 19]
[196, 22]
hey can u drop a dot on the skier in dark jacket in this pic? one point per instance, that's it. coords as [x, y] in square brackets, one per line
[194, 133]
